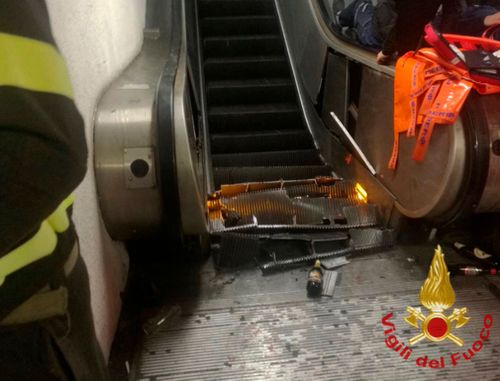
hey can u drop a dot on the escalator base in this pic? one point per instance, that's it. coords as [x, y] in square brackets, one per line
[248, 327]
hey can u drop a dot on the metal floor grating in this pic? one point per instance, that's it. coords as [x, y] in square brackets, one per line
[244, 326]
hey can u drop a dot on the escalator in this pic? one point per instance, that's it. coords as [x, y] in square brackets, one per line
[274, 203]
[256, 128]
[273, 189]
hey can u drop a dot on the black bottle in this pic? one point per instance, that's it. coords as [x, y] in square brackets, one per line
[476, 254]
[471, 270]
[315, 280]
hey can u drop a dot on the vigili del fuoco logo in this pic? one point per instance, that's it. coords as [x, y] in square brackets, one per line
[434, 324]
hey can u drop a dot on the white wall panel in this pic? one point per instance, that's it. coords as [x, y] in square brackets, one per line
[98, 39]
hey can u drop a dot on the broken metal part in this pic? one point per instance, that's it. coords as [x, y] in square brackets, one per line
[329, 282]
[275, 266]
[164, 318]
[233, 190]
[334, 263]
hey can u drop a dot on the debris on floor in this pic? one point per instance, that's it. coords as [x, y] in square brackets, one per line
[333, 263]
[472, 270]
[476, 255]
[315, 280]
[329, 282]
[168, 315]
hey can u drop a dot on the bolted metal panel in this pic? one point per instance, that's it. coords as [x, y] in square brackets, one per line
[126, 147]
[245, 326]
[139, 165]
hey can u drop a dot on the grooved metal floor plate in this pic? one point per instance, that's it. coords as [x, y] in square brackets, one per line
[244, 326]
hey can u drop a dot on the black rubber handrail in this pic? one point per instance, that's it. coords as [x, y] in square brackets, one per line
[171, 224]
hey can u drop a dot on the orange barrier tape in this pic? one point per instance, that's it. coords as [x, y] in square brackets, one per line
[428, 91]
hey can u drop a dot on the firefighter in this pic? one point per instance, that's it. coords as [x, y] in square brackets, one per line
[46, 326]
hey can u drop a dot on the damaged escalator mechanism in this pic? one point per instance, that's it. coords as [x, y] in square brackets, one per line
[285, 224]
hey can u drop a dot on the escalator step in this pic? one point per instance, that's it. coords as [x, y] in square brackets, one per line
[246, 67]
[250, 92]
[243, 45]
[235, 175]
[242, 118]
[261, 141]
[276, 158]
[226, 26]
[236, 7]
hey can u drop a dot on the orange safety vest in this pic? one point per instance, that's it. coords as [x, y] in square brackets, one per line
[428, 91]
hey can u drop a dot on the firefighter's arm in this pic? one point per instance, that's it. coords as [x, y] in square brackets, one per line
[43, 153]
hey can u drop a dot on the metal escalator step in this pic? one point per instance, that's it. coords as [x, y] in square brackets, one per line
[269, 116]
[362, 215]
[275, 207]
[218, 26]
[236, 7]
[251, 327]
[251, 67]
[232, 46]
[276, 158]
[250, 91]
[260, 141]
[366, 239]
[235, 175]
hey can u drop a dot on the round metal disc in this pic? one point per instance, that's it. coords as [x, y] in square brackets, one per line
[423, 189]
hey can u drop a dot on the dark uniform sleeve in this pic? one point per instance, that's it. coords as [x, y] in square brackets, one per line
[386, 18]
[389, 46]
[390, 43]
[43, 152]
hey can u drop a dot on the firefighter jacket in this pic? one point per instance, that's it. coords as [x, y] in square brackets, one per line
[43, 153]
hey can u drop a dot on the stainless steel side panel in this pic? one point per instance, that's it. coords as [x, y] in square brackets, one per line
[189, 158]
[330, 147]
[125, 131]
[423, 189]
[304, 40]
[355, 53]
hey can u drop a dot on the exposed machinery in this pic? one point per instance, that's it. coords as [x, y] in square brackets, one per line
[240, 104]
[251, 125]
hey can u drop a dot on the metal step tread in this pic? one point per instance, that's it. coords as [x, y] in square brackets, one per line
[238, 18]
[240, 142]
[243, 37]
[285, 157]
[239, 25]
[245, 326]
[236, 7]
[258, 82]
[234, 175]
[268, 108]
[244, 60]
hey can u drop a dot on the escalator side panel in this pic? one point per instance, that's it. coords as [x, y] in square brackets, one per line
[424, 189]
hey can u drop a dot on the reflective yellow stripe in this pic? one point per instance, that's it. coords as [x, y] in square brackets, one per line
[42, 244]
[32, 65]
[59, 220]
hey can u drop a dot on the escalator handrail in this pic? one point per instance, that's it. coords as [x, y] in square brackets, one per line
[165, 129]
[207, 156]
[352, 51]
[311, 117]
